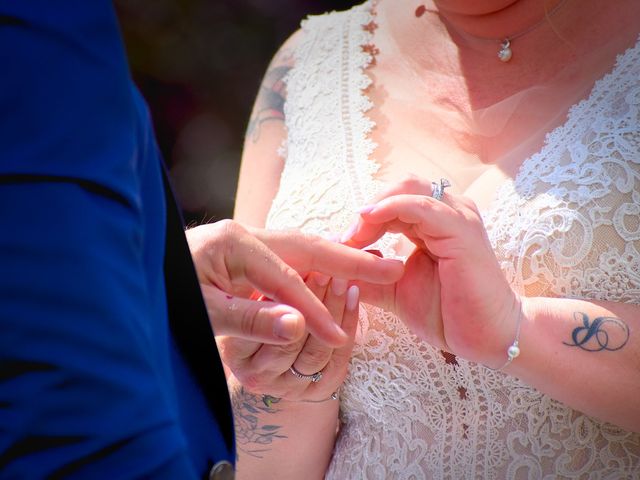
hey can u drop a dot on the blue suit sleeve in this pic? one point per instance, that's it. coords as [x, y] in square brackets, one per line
[79, 391]
[83, 387]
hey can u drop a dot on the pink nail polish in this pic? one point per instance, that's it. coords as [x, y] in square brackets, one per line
[366, 209]
[353, 295]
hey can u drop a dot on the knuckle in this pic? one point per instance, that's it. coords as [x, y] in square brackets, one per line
[314, 356]
[226, 238]
[249, 323]
[291, 275]
[290, 278]
[230, 356]
[467, 201]
[312, 244]
[410, 182]
[249, 381]
[424, 203]
[471, 205]
[226, 227]
[309, 239]
[288, 349]
[230, 232]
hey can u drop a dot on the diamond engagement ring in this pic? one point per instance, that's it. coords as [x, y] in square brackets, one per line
[314, 377]
[437, 190]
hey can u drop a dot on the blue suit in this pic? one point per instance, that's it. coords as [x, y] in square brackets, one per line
[108, 367]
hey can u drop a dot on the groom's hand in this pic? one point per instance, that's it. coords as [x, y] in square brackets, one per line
[234, 262]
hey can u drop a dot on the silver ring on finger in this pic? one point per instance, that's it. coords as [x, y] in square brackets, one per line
[437, 189]
[314, 377]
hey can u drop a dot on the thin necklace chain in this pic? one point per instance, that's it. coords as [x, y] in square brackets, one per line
[505, 53]
[546, 17]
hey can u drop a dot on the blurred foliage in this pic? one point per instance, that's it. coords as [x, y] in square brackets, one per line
[199, 64]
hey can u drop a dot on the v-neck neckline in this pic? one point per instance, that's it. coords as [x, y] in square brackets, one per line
[551, 144]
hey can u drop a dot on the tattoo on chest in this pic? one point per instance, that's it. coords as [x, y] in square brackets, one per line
[600, 333]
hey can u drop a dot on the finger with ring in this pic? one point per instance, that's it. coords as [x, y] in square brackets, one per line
[314, 377]
[437, 189]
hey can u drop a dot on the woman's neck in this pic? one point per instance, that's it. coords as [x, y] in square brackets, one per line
[453, 31]
[495, 19]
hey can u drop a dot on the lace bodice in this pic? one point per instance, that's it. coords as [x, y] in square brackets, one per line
[568, 225]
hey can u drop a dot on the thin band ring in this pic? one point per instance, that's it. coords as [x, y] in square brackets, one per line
[437, 190]
[314, 377]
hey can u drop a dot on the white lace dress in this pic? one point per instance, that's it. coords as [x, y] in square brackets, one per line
[568, 225]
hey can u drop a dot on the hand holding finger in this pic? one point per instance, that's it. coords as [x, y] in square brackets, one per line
[307, 253]
[230, 258]
[314, 372]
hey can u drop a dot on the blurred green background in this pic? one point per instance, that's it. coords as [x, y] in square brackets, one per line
[199, 64]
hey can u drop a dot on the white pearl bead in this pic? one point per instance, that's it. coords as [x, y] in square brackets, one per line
[505, 54]
[513, 351]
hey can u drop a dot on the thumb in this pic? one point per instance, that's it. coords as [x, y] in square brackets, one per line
[258, 321]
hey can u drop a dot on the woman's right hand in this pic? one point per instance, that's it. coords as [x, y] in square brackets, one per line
[453, 294]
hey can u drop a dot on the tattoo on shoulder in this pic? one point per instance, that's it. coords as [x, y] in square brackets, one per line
[253, 434]
[600, 333]
[271, 97]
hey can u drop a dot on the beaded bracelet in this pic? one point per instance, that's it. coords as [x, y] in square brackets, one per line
[514, 350]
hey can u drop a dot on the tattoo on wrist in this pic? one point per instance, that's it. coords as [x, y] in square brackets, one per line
[601, 333]
[253, 434]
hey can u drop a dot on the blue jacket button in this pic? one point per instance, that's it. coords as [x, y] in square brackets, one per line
[223, 470]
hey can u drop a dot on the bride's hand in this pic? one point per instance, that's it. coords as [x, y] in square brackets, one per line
[265, 368]
[453, 293]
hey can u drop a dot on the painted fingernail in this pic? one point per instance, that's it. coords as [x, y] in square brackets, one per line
[346, 236]
[366, 209]
[353, 295]
[377, 253]
[321, 279]
[339, 286]
[286, 327]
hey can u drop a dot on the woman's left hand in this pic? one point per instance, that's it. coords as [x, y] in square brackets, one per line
[453, 293]
[264, 368]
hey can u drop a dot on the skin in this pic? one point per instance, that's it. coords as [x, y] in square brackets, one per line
[235, 265]
[565, 344]
[310, 324]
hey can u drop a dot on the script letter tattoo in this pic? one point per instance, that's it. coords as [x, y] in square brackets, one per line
[601, 333]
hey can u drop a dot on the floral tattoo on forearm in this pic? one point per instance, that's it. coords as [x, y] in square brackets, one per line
[253, 435]
[601, 333]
